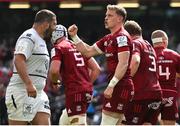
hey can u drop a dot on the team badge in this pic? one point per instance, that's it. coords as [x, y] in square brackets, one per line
[122, 41]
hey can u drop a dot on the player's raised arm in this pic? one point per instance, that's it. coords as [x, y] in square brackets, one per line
[81, 46]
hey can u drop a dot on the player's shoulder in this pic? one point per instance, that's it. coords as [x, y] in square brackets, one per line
[65, 44]
[107, 36]
[170, 52]
[29, 34]
[124, 33]
[137, 41]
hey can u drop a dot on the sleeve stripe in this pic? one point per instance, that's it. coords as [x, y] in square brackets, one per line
[125, 48]
[97, 49]
[40, 54]
[28, 39]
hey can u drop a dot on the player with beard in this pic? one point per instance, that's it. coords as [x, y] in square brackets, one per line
[169, 70]
[25, 99]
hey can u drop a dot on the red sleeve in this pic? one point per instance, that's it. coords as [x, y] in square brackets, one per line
[123, 43]
[101, 44]
[56, 54]
[136, 48]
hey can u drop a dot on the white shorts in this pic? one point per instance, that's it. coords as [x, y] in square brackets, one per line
[64, 119]
[20, 107]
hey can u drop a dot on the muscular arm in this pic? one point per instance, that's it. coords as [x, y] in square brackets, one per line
[121, 69]
[20, 63]
[81, 46]
[54, 71]
[86, 50]
[134, 64]
[122, 66]
[94, 69]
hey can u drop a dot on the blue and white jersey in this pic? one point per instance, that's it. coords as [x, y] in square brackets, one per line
[34, 48]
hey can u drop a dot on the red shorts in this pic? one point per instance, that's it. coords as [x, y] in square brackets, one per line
[120, 97]
[169, 109]
[77, 103]
[139, 112]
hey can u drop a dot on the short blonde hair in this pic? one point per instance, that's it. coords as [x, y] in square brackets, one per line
[119, 10]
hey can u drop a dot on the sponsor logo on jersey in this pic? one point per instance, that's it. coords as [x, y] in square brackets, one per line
[154, 105]
[165, 61]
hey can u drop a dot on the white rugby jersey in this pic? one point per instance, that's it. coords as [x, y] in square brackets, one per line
[34, 48]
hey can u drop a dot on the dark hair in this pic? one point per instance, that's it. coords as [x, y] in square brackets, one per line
[133, 28]
[44, 15]
[119, 10]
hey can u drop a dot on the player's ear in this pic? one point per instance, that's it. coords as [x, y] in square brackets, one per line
[120, 19]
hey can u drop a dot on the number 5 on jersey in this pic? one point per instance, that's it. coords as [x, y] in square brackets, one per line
[79, 58]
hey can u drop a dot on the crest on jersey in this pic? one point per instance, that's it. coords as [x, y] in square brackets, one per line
[27, 108]
[122, 41]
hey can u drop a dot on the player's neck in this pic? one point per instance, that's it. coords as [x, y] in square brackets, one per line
[39, 30]
[115, 29]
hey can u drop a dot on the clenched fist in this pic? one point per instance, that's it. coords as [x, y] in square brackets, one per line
[72, 30]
